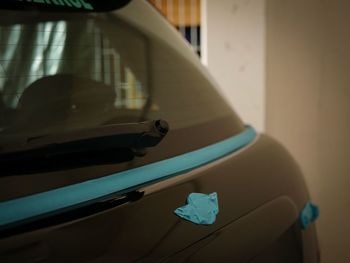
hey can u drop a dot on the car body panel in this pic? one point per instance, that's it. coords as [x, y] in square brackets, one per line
[147, 230]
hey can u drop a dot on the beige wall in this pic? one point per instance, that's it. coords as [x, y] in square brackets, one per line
[308, 105]
[233, 48]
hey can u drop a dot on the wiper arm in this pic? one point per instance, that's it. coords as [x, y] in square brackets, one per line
[124, 141]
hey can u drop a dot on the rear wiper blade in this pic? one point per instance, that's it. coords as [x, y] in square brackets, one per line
[124, 140]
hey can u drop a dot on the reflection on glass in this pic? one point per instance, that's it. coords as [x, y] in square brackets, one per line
[52, 75]
[43, 46]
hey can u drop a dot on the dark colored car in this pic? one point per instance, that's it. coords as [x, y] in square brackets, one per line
[116, 147]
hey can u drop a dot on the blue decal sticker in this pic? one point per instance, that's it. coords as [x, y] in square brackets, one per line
[308, 215]
[200, 209]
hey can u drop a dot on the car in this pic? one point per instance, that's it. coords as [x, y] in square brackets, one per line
[115, 146]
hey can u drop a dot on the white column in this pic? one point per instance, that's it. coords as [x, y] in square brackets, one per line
[233, 48]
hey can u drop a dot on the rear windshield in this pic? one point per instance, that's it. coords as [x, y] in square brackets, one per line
[71, 71]
[61, 72]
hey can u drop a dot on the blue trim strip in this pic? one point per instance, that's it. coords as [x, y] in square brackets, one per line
[25, 208]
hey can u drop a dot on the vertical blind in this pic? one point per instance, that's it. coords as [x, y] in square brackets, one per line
[185, 15]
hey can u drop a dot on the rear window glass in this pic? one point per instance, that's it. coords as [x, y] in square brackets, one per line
[69, 71]
[62, 72]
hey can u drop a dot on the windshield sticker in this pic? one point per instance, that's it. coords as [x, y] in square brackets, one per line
[66, 3]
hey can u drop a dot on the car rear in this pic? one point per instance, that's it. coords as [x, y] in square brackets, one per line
[63, 72]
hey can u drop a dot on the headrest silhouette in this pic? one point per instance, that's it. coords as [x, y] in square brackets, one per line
[58, 99]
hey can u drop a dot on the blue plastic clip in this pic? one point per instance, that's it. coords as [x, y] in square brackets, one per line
[308, 215]
[200, 209]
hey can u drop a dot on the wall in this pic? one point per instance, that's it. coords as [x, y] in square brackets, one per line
[308, 105]
[233, 37]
